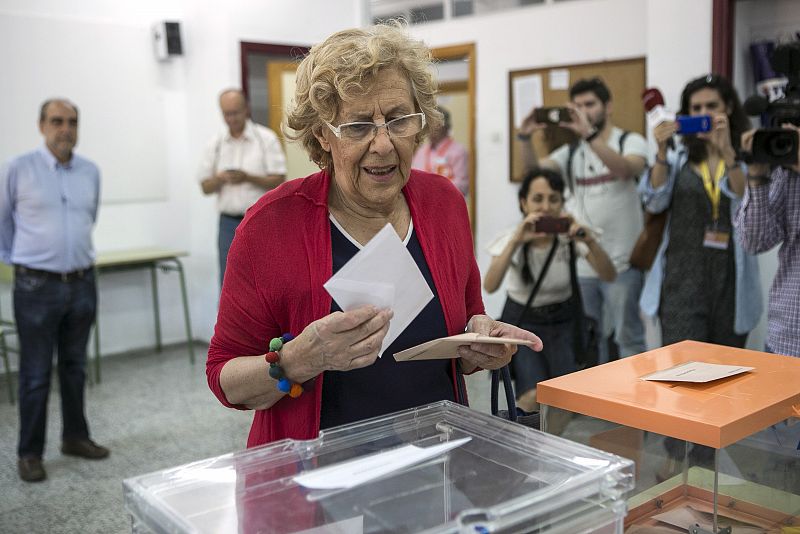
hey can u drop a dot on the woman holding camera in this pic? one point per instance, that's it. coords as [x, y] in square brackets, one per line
[702, 284]
[539, 253]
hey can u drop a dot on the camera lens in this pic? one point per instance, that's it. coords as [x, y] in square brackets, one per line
[780, 145]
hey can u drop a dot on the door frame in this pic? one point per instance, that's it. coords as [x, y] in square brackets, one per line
[466, 52]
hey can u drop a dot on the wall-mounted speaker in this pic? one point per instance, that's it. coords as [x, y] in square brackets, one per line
[167, 40]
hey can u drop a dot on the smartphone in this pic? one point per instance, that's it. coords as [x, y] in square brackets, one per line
[552, 225]
[551, 115]
[688, 124]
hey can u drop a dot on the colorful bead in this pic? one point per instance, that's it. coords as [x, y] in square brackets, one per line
[284, 385]
[276, 372]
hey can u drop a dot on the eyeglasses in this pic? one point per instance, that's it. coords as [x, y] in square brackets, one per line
[404, 126]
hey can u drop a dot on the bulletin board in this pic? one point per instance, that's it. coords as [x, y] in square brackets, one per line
[550, 87]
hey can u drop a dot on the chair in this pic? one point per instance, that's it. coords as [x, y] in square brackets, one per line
[7, 328]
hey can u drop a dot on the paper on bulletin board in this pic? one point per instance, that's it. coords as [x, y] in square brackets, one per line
[559, 79]
[527, 95]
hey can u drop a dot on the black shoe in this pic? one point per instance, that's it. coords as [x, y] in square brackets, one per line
[85, 448]
[30, 469]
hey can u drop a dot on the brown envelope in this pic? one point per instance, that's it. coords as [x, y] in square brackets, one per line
[446, 347]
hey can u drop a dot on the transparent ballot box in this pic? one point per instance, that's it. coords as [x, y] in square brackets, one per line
[711, 457]
[438, 468]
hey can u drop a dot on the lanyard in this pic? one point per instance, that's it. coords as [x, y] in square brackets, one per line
[712, 186]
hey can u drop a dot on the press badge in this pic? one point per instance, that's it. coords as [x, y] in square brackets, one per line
[715, 238]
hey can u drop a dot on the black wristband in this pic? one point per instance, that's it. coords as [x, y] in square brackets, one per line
[592, 136]
[523, 137]
[662, 161]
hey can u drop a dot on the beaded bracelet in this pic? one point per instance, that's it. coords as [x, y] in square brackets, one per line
[276, 371]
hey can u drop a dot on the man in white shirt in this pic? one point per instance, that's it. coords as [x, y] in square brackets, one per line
[239, 166]
[601, 171]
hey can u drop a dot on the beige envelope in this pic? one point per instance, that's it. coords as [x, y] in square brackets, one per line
[446, 347]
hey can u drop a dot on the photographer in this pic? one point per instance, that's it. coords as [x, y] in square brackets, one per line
[601, 172]
[770, 215]
[702, 285]
[534, 252]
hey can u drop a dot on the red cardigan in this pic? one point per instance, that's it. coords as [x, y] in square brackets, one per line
[280, 258]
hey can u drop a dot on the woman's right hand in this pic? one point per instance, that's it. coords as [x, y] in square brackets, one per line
[663, 132]
[525, 231]
[341, 341]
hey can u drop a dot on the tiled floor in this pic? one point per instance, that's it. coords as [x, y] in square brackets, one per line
[152, 410]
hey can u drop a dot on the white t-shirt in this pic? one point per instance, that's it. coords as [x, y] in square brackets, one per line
[603, 202]
[556, 286]
[257, 151]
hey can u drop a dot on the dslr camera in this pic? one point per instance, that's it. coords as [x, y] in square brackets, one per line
[775, 145]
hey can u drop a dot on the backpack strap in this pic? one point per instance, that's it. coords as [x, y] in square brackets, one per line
[573, 147]
[622, 140]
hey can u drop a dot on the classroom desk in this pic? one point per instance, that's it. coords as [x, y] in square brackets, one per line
[144, 258]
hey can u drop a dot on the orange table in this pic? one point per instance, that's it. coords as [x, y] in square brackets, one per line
[715, 414]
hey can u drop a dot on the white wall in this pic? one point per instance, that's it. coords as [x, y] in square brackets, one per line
[187, 90]
[675, 37]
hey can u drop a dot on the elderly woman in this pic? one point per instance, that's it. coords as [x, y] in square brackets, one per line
[363, 101]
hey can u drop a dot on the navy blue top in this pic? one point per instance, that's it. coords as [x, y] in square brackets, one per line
[387, 385]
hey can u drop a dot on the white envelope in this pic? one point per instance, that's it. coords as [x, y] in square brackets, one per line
[698, 372]
[447, 347]
[352, 473]
[384, 262]
[351, 294]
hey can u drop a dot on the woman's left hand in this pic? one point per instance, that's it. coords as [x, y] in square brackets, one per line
[487, 356]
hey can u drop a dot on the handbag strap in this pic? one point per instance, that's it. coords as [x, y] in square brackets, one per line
[504, 371]
[579, 324]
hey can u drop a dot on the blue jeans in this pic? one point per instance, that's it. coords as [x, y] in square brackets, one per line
[621, 297]
[52, 314]
[227, 229]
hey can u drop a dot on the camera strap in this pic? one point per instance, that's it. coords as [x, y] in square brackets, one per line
[537, 284]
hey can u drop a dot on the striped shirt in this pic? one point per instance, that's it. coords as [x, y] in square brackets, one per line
[769, 216]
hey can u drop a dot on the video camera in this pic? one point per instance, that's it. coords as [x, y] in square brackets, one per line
[775, 145]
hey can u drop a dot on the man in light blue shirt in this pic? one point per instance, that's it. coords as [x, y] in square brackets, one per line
[48, 207]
